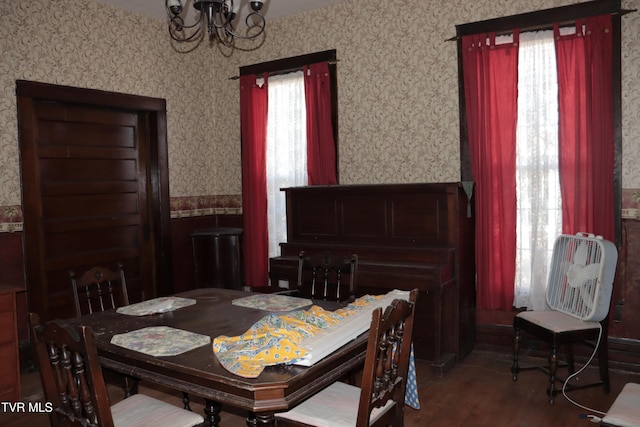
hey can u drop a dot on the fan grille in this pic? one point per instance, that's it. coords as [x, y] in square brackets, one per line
[580, 277]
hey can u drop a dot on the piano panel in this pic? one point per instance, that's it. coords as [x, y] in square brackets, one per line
[420, 219]
[350, 217]
[315, 218]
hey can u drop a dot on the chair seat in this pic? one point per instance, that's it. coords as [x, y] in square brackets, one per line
[625, 411]
[343, 400]
[141, 410]
[556, 321]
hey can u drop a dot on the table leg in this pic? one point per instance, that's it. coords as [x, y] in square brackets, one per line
[251, 419]
[212, 412]
[265, 419]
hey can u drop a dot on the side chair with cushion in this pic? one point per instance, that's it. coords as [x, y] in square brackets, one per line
[380, 399]
[99, 289]
[323, 276]
[561, 330]
[72, 381]
[625, 411]
[578, 295]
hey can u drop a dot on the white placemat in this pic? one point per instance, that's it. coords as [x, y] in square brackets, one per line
[270, 302]
[156, 305]
[160, 340]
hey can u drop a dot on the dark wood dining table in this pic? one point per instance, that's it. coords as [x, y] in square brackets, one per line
[198, 371]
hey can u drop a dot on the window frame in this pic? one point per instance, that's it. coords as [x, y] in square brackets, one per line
[543, 20]
[296, 63]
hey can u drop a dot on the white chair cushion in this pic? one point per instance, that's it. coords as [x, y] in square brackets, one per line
[335, 406]
[141, 410]
[556, 321]
[625, 411]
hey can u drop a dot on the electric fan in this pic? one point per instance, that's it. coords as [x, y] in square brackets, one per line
[581, 276]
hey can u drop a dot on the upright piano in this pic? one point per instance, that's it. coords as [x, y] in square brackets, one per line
[406, 236]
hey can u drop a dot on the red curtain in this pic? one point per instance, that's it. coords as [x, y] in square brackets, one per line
[253, 123]
[490, 84]
[321, 148]
[586, 127]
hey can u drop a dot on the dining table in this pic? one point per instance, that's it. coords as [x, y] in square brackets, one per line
[211, 313]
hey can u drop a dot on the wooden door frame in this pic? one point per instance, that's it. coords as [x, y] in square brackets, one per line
[159, 207]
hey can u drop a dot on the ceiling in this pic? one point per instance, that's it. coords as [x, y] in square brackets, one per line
[272, 9]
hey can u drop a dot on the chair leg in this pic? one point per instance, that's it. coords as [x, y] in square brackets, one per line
[515, 368]
[553, 367]
[186, 400]
[212, 412]
[571, 366]
[603, 363]
[129, 385]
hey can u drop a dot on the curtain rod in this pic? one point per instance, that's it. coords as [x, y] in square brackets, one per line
[287, 71]
[546, 26]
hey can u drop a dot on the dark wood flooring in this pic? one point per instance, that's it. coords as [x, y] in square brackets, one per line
[478, 391]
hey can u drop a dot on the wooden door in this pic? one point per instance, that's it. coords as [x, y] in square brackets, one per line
[95, 191]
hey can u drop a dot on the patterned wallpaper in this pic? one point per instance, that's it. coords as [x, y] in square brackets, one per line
[397, 82]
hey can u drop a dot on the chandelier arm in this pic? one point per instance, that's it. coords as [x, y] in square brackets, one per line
[176, 24]
[220, 21]
[220, 35]
[229, 30]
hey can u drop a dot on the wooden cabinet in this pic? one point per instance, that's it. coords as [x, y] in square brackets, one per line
[9, 365]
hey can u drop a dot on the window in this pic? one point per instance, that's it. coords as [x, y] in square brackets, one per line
[270, 127]
[286, 150]
[489, 167]
[539, 208]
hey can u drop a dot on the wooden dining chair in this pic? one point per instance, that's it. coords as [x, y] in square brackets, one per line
[625, 410]
[578, 295]
[322, 276]
[379, 401]
[73, 383]
[560, 330]
[99, 289]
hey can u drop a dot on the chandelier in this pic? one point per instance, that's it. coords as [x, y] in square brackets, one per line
[218, 16]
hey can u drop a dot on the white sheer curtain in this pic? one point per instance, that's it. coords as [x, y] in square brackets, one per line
[286, 150]
[539, 218]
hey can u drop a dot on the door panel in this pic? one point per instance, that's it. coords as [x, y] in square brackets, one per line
[89, 206]
[94, 192]
[112, 239]
[79, 166]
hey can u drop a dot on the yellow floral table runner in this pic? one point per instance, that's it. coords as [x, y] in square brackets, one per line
[275, 338]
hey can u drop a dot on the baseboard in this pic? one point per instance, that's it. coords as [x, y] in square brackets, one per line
[624, 353]
[442, 366]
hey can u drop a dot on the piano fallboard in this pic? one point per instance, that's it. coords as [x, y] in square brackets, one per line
[417, 269]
